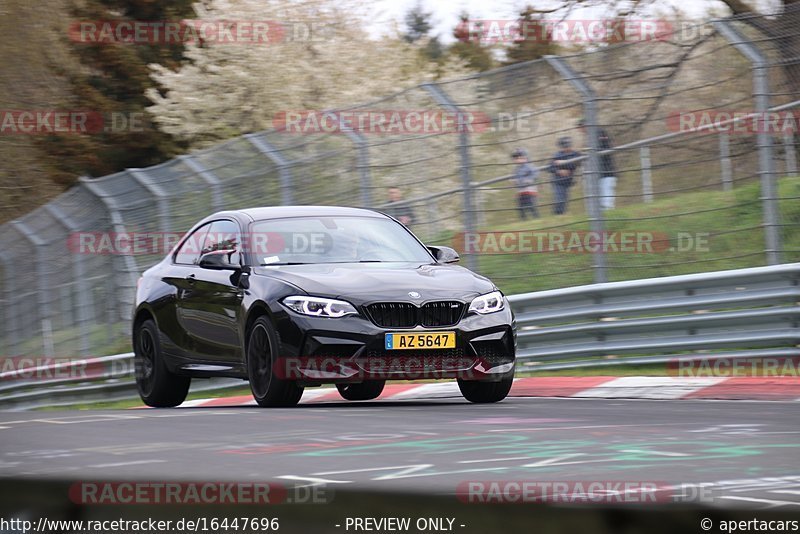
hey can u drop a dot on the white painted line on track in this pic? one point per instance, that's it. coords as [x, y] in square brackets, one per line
[654, 453]
[125, 464]
[763, 501]
[430, 391]
[649, 387]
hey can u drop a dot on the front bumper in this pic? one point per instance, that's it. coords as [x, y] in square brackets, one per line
[351, 349]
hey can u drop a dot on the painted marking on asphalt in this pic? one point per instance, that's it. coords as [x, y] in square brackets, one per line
[556, 386]
[402, 471]
[193, 403]
[558, 460]
[314, 480]
[76, 420]
[320, 395]
[752, 387]
[650, 387]
[772, 503]
[654, 453]
[583, 427]
[242, 400]
[538, 464]
[514, 420]
[431, 391]
[125, 464]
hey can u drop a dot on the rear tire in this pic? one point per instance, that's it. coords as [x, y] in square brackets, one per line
[366, 390]
[485, 392]
[262, 347]
[158, 387]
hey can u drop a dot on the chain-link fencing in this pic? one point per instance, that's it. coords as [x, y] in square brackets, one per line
[684, 164]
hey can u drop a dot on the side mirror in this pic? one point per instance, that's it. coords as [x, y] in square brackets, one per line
[444, 254]
[218, 260]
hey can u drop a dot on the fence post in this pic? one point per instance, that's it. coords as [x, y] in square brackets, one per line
[208, 177]
[128, 266]
[284, 173]
[10, 314]
[791, 155]
[589, 98]
[647, 178]
[766, 165]
[85, 312]
[725, 162]
[162, 199]
[362, 161]
[433, 215]
[45, 309]
[441, 98]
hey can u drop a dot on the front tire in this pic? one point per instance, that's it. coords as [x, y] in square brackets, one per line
[366, 390]
[262, 349]
[485, 392]
[158, 386]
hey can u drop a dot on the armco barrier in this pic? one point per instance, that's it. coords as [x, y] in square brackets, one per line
[741, 313]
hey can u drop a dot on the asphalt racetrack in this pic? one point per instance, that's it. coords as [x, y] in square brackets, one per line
[742, 454]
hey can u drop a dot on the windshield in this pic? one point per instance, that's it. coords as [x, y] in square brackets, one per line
[303, 240]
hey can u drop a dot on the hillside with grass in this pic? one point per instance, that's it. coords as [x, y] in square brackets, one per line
[727, 224]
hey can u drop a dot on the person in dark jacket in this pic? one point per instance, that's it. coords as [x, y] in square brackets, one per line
[525, 182]
[607, 182]
[401, 212]
[563, 171]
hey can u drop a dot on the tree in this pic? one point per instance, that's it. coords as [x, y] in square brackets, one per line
[534, 40]
[418, 24]
[221, 91]
[780, 29]
[114, 80]
[469, 45]
[418, 28]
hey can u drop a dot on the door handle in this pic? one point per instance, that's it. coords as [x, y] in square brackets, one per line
[191, 278]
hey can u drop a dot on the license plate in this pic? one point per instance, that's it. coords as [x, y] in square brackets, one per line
[421, 340]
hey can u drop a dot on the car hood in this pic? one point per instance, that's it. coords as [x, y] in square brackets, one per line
[365, 282]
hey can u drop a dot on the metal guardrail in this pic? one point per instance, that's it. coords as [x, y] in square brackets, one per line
[746, 313]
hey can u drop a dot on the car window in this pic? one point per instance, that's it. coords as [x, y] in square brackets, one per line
[223, 235]
[189, 252]
[327, 239]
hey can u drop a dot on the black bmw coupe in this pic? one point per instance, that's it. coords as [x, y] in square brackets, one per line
[295, 297]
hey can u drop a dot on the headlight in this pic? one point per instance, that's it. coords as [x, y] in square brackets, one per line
[319, 307]
[488, 303]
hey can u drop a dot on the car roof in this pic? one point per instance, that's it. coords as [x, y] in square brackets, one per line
[275, 212]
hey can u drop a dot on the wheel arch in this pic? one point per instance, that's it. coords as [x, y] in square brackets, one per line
[142, 314]
[258, 309]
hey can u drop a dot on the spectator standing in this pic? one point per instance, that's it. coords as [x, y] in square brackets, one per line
[607, 182]
[563, 171]
[525, 182]
[398, 210]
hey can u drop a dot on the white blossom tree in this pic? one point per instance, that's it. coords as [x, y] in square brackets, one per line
[226, 89]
